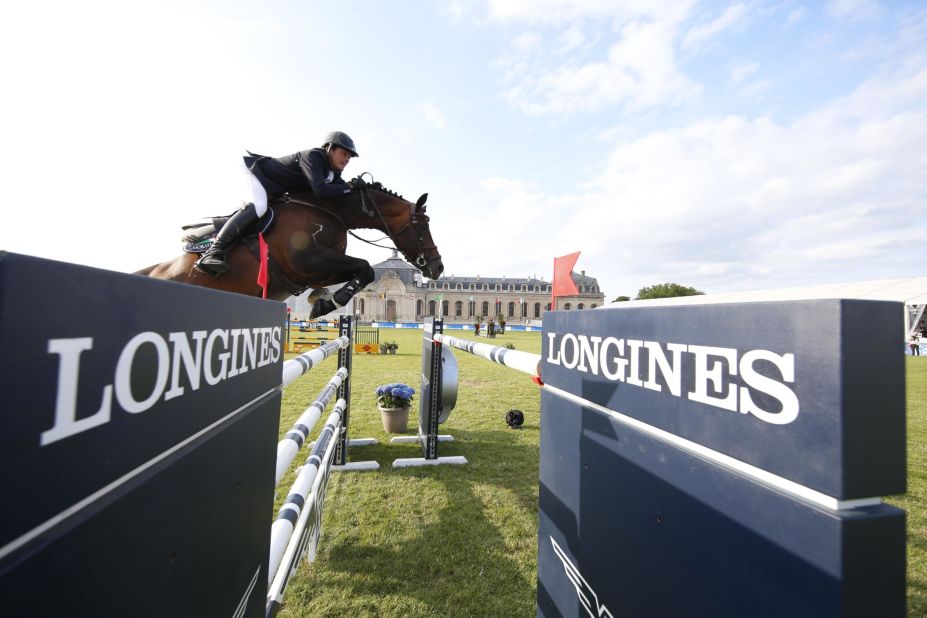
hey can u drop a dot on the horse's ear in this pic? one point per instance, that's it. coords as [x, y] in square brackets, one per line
[421, 201]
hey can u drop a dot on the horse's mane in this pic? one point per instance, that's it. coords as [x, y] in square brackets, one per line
[379, 187]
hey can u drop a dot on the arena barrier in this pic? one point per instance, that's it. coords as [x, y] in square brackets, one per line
[719, 460]
[138, 432]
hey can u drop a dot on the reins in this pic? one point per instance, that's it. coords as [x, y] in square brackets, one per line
[365, 195]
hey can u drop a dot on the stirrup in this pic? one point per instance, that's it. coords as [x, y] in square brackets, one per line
[212, 268]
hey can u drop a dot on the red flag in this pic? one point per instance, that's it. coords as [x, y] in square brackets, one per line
[563, 282]
[262, 270]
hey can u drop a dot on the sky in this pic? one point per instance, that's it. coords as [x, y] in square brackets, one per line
[726, 146]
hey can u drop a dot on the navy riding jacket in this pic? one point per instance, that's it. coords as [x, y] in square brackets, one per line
[307, 170]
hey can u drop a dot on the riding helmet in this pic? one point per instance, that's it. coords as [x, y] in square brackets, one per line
[339, 138]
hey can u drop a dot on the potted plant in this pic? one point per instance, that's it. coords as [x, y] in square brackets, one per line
[393, 401]
[392, 346]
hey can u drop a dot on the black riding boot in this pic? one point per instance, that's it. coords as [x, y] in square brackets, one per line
[213, 261]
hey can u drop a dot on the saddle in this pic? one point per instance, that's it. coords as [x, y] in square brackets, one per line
[198, 237]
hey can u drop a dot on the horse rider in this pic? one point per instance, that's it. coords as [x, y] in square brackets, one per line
[317, 170]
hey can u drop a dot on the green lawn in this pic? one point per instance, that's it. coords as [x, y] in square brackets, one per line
[915, 501]
[462, 540]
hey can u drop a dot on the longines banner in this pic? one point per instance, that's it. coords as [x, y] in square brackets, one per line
[722, 460]
[138, 429]
[812, 391]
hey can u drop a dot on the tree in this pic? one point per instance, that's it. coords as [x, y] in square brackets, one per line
[666, 290]
[621, 299]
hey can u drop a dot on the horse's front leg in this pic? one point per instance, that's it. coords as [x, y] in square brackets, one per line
[355, 271]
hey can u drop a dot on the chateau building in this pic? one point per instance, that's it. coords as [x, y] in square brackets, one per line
[399, 294]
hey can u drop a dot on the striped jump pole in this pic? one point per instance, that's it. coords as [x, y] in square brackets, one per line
[296, 436]
[525, 362]
[298, 525]
[300, 366]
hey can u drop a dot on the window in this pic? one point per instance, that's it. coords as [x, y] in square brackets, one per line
[537, 310]
[419, 307]
[592, 306]
[511, 310]
[567, 307]
[444, 307]
[458, 308]
[485, 308]
[511, 287]
[580, 306]
[431, 307]
[360, 306]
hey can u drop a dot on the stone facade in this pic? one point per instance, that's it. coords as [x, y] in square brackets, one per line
[398, 294]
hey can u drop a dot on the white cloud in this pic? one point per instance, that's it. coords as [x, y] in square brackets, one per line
[432, 113]
[736, 203]
[571, 39]
[639, 71]
[557, 11]
[732, 17]
[795, 15]
[741, 72]
[853, 10]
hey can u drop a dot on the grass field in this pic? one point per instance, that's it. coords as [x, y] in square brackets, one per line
[462, 540]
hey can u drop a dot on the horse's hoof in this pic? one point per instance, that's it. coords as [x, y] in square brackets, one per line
[318, 293]
[322, 307]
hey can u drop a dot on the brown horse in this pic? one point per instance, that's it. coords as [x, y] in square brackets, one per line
[307, 242]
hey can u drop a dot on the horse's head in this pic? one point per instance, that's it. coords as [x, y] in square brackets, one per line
[407, 225]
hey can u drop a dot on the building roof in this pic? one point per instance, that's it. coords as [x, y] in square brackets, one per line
[408, 274]
[910, 291]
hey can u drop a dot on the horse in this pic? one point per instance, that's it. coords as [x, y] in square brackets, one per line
[306, 244]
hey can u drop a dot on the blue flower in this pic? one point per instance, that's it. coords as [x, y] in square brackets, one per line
[394, 395]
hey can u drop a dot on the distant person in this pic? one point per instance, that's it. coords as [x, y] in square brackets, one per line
[317, 170]
[915, 344]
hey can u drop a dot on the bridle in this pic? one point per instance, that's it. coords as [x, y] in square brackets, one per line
[418, 223]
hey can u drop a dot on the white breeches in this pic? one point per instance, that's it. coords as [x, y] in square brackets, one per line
[256, 190]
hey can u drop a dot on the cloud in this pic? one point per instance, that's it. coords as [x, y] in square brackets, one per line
[741, 72]
[638, 72]
[853, 10]
[732, 17]
[558, 11]
[571, 39]
[432, 113]
[731, 202]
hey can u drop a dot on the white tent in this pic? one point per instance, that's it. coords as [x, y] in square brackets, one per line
[911, 291]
